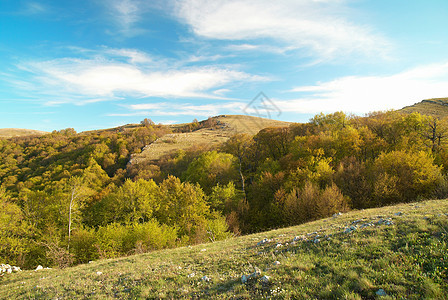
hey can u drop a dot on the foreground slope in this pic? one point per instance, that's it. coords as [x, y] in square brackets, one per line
[13, 132]
[397, 251]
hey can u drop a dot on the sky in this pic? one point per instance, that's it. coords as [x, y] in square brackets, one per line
[92, 64]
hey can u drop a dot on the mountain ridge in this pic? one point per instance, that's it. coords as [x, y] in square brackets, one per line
[15, 132]
[437, 107]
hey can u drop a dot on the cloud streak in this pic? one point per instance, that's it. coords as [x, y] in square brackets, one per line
[362, 94]
[351, 94]
[123, 73]
[182, 109]
[318, 28]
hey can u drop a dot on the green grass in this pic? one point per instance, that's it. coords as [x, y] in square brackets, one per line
[407, 259]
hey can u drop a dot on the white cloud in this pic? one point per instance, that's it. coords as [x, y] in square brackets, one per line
[321, 28]
[121, 73]
[126, 14]
[362, 94]
[158, 109]
[352, 94]
[134, 56]
[260, 47]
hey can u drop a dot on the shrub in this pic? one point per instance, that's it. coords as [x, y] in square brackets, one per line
[82, 245]
[310, 203]
[404, 176]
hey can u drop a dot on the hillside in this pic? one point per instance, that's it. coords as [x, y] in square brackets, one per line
[12, 132]
[397, 251]
[437, 107]
[228, 125]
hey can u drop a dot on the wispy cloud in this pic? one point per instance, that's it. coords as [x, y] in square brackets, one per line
[33, 8]
[123, 73]
[261, 48]
[126, 15]
[161, 109]
[320, 29]
[352, 94]
[362, 94]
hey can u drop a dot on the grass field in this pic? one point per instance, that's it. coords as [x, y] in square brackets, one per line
[437, 107]
[398, 251]
[228, 126]
[12, 132]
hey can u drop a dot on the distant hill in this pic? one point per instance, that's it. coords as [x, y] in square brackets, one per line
[393, 252]
[12, 132]
[227, 126]
[437, 107]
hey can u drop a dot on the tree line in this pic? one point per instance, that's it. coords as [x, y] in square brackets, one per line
[69, 198]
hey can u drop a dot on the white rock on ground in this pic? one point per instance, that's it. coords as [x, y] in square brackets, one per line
[337, 215]
[384, 222]
[39, 267]
[349, 229]
[6, 268]
[299, 238]
[381, 292]
[263, 241]
[255, 274]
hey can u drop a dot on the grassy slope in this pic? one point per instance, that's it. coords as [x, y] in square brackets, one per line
[12, 132]
[229, 125]
[437, 107]
[407, 259]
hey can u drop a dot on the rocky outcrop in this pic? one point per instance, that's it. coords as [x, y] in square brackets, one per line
[5, 268]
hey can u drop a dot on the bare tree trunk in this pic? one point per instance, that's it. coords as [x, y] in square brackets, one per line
[70, 217]
[242, 177]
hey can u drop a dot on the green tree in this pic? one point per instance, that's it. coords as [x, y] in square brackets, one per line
[182, 204]
[132, 202]
[78, 193]
[15, 233]
[405, 176]
[211, 168]
[225, 198]
[239, 145]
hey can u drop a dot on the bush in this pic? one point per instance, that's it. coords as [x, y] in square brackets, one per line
[110, 240]
[151, 236]
[217, 228]
[311, 203]
[82, 245]
[403, 177]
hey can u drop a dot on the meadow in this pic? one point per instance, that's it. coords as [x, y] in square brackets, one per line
[393, 252]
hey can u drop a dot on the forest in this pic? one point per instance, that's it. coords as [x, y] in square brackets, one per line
[68, 198]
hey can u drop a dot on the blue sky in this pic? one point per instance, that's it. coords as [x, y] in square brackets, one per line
[103, 63]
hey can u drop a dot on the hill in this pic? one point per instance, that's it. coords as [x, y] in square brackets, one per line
[398, 251]
[13, 132]
[226, 127]
[437, 107]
